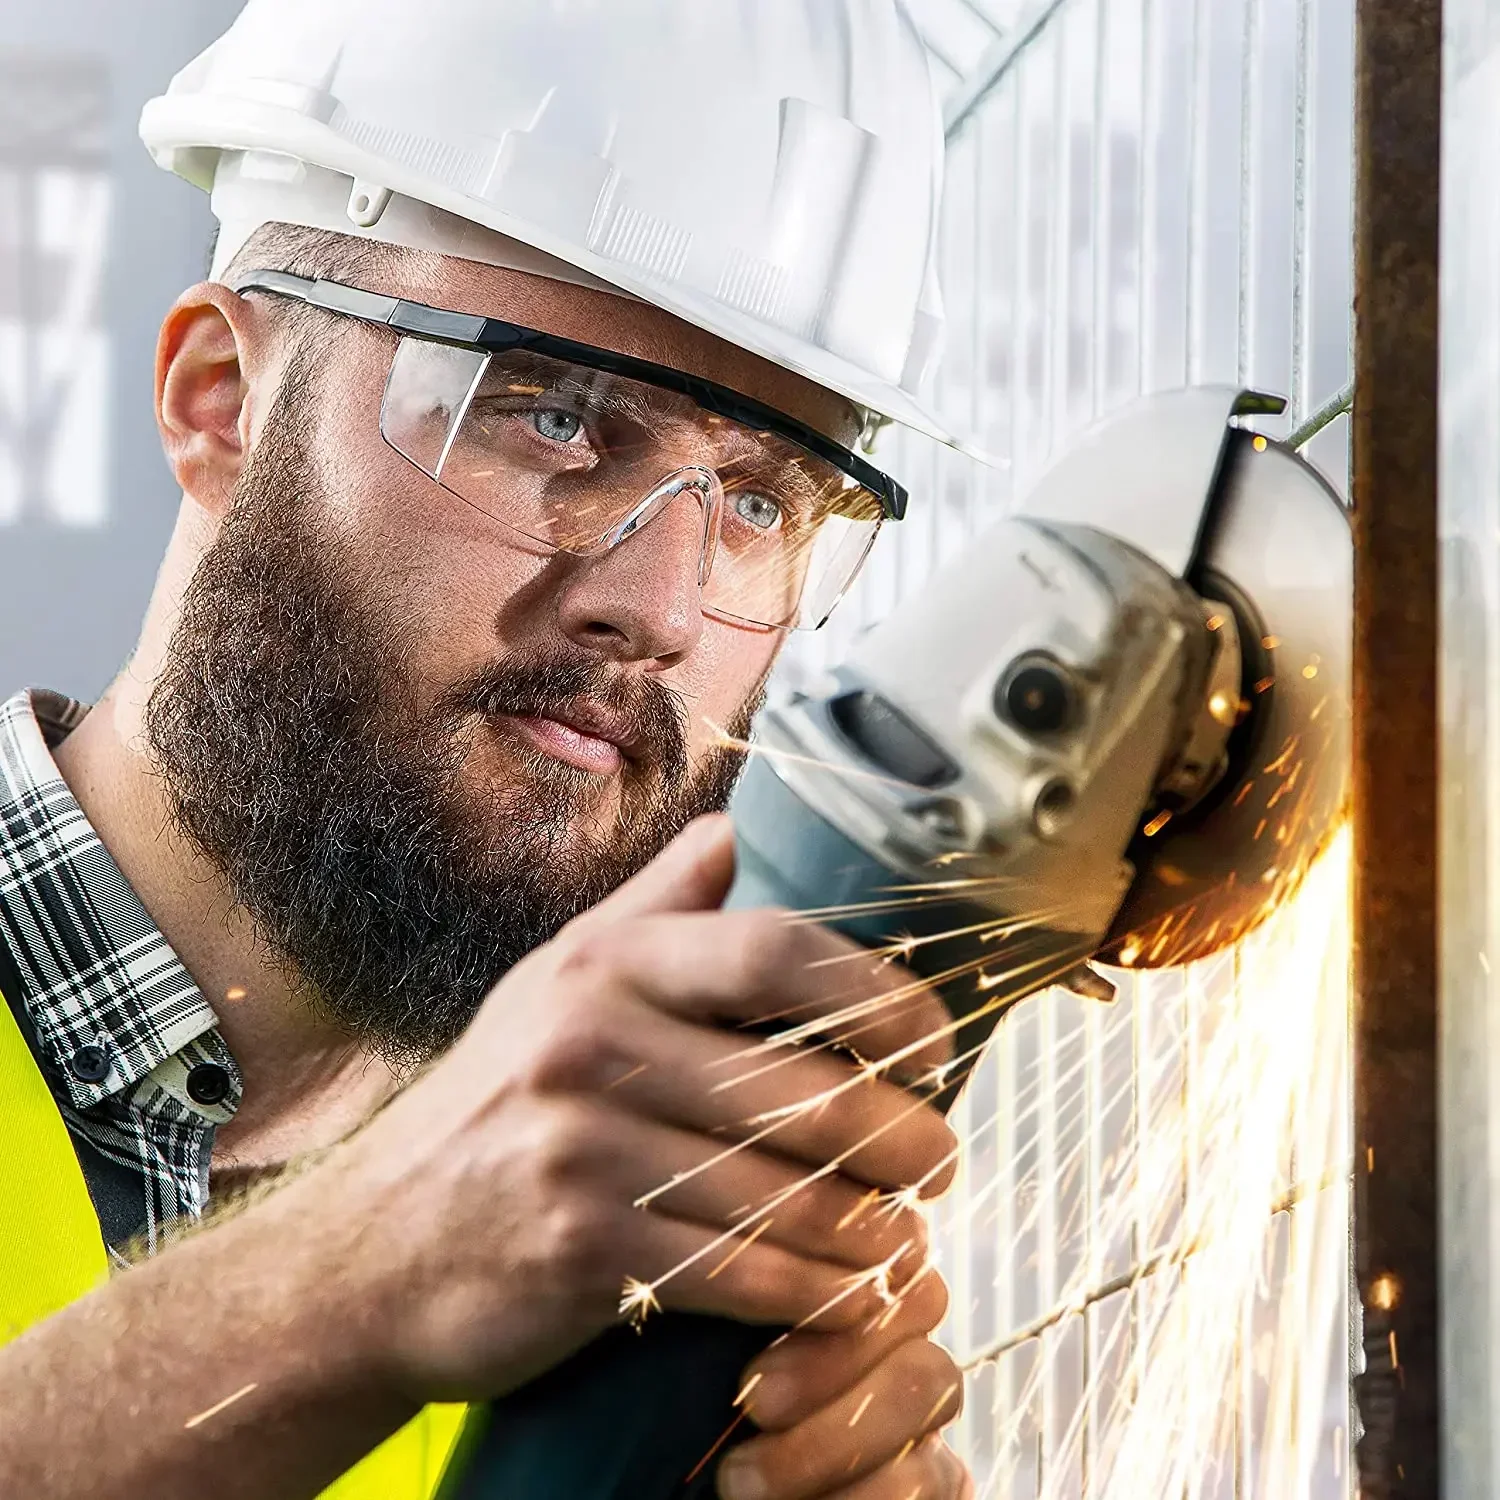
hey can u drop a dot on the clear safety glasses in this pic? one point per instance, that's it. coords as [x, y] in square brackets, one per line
[576, 449]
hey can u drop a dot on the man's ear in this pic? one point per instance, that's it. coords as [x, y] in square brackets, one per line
[211, 349]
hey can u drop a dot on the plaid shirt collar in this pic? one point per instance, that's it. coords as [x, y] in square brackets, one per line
[118, 1018]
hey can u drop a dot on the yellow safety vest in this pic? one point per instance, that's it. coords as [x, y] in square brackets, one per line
[51, 1254]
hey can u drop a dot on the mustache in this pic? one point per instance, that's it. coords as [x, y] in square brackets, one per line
[658, 713]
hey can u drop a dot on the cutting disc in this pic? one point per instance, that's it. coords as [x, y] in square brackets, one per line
[1278, 553]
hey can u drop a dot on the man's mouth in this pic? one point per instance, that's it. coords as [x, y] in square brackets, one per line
[587, 736]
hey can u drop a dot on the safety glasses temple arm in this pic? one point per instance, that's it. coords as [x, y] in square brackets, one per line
[462, 330]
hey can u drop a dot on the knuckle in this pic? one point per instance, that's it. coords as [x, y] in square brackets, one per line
[917, 1017]
[856, 1229]
[934, 1373]
[568, 1149]
[757, 1277]
[932, 1365]
[804, 1458]
[581, 1054]
[583, 1240]
[935, 1152]
[587, 950]
[810, 1215]
[762, 946]
[942, 1177]
[861, 1117]
[931, 1021]
[915, 1233]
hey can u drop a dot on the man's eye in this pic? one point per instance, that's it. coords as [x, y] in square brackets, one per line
[760, 511]
[557, 426]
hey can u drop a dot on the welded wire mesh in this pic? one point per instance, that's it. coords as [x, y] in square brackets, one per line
[1143, 194]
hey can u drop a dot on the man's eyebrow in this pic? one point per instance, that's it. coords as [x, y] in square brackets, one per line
[522, 372]
[526, 374]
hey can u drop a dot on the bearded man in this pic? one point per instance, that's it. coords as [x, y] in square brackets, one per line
[379, 898]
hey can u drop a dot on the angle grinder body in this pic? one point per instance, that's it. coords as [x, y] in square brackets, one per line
[1116, 729]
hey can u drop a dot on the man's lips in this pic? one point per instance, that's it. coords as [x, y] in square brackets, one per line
[589, 736]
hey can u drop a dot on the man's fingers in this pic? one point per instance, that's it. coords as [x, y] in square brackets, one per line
[749, 1280]
[813, 1108]
[803, 1372]
[693, 873]
[685, 1176]
[878, 1425]
[931, 1471]
[760, 968]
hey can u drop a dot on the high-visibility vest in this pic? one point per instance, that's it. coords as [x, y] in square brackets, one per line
[52, 1253]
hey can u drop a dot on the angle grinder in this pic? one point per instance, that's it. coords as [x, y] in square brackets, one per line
[1115, 730]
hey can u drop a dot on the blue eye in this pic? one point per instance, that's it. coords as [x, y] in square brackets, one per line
[756, 510]
[557, 426]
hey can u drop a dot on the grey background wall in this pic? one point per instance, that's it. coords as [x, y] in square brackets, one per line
[94, 244]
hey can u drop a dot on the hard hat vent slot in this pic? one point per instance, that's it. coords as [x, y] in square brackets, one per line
[459, 168]
[754, 286]
[645, 241]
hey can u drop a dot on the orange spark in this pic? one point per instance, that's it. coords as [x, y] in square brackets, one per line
[224, 1405]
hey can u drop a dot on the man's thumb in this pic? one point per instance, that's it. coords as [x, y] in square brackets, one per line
[693, 873]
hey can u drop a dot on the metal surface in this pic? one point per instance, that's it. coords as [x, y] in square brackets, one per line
[996, 63]
[958, 31]
[1395, 914]
[1324, 417]
[1469, 704]
[1280, 553]
[1130, 472]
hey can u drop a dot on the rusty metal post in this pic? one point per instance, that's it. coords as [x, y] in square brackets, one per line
[1398, 112]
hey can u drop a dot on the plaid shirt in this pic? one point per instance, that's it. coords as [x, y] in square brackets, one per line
[118, 1023]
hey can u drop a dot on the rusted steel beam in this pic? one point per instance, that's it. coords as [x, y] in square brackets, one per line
[1398, 113]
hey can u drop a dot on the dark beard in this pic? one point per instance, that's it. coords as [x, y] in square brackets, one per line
[295, 762]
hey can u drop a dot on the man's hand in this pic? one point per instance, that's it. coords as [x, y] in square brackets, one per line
[608, 1119]
[480, 1229]
[854, 1415]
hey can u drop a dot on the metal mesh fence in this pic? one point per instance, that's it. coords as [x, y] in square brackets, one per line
[1143, 194]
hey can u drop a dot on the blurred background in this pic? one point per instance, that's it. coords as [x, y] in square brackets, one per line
[1143, 194]
[95, 243]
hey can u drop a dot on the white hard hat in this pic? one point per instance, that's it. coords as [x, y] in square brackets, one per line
[768, 170]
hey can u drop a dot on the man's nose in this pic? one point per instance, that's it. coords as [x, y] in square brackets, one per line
[641, 601]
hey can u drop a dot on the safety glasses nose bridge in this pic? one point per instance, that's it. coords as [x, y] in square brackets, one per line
[693, 482]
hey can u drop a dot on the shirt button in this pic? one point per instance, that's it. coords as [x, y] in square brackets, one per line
[90, 1063]
[208, 1084]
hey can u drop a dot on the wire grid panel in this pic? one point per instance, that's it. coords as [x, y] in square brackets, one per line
[1152, 194]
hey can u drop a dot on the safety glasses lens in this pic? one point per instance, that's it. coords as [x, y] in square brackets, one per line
[580, 461]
